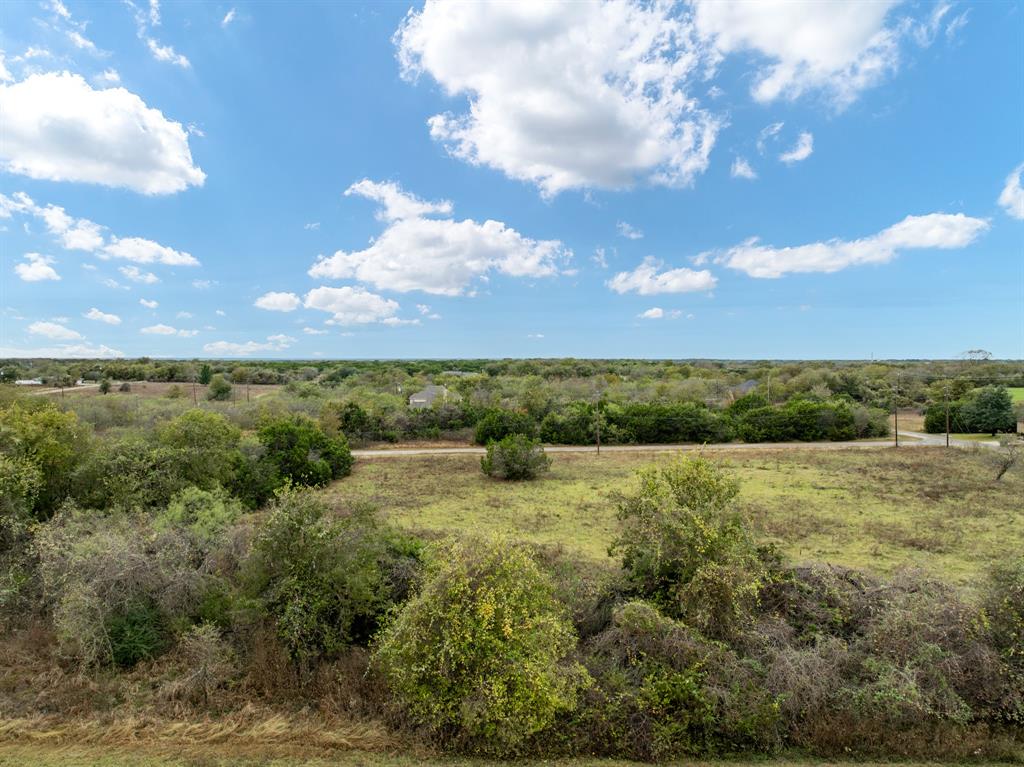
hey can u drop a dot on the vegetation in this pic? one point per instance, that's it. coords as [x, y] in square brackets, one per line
[481, 655]
[515, 457]
[170, 560]
[988, 410]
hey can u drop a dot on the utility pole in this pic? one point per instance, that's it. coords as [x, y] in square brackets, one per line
[195, 401]
[896, 409]
[769, 388]
[597, 412]
[947, 415]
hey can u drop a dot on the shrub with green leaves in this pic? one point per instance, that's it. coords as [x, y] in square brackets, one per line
[685, 547]
[219, 389]
[118, 589]
[302, 453]
[663, 691]
[206, 514]
[481, 655]
[326, 583]
[515, 457]
[497, 424]
[205, 444]
[54, 441]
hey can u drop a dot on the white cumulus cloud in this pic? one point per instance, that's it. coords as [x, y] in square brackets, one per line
[143, 251]
[935, 230]
[647, 280]
[351, 305]
[54, 330]
[565, 95]
[278, 302]
[36, 268]
[59, 128]
[275, 343]
[801, 150]
[96, 314]
[1012, 196]
[741, 169]
[654, 313]
[839, 47]
[440, 256]
[167, 330]
[135, 274]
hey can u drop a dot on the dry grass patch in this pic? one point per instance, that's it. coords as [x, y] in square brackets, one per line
[930, 508]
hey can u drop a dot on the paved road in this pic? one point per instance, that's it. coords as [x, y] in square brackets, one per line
[917, 440]
[934, 440]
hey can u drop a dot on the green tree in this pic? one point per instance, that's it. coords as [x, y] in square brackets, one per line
[481, 654]
[205, 446]
[685, 547]
[55, 441]
[326, 583]
[990, 410]
[105, 386]
[303, 453]
[515, 457]
[219, 389]
[205, 374]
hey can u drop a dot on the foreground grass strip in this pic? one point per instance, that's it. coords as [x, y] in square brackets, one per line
[144, 755]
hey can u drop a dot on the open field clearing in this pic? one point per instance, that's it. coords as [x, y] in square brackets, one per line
[150, 390]
[141, 756]
[877, 509]
[1016, 393]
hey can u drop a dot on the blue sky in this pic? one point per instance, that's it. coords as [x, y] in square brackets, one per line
[744, 180]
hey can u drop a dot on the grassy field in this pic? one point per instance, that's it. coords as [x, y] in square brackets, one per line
[1017, 393]
[882, 509]
[77, 756]
[152, 389]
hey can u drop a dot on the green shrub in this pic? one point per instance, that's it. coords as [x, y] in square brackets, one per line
[325, 584]
[205, 445]
[479, 656]
[498, 424]
[990, 410]
[54, 441]
[662, 691]
[1003, 602]
[515, 457]
[302, 453]
[799, 420]
[219, 389]
[685, 546]
[115, 584]
[138, 631]
[204, 513]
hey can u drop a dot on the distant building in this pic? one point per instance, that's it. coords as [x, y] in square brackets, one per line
[428, 396]
[29, 382]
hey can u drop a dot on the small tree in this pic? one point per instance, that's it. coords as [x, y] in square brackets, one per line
[686, 548]
[515, 457]
[481, 655]
[205, 374]
[219, 390]
[125, 388]
[105, 386]
[991, 410]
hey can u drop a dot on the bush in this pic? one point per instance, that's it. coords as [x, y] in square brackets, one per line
[302, 453]
[662, 691]
[54, 441]
[685, 547]
[137, 631]
[117, 589]
[203, 513]
[655, 423]
[326, 584]
[205, 446]
[1004, 610]
[990, 410]
[515, 457]
[498, 424]
[219, 389]
[799, 420]
[480, 655]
